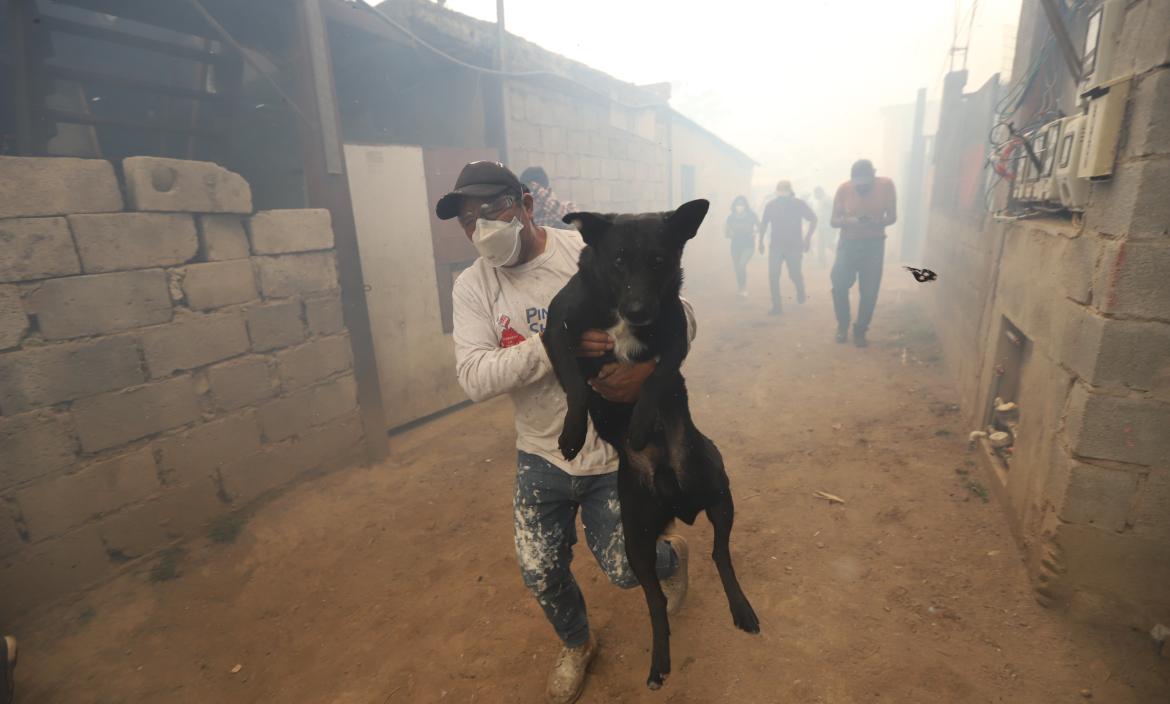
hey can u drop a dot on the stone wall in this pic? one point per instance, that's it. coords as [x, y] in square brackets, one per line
[161, 363]
[1088, 489]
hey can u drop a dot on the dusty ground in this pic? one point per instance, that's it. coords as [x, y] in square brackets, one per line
[398, 583]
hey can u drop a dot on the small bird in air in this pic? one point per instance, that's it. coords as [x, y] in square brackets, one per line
[921, 275]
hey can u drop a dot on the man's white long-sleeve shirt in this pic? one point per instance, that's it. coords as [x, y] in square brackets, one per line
[499, 315]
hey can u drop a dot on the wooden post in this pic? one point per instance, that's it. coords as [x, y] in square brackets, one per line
[327, 187]
[19, 22]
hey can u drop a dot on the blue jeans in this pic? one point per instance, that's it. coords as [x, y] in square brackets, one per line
[545, 514]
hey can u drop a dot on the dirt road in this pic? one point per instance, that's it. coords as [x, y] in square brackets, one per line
[398, 583]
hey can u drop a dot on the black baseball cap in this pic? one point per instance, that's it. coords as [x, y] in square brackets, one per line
[479, 179]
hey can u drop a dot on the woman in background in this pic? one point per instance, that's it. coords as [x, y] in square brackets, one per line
[742, 224]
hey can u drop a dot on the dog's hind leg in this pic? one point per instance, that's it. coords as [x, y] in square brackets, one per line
[722, 515]
[642, 527]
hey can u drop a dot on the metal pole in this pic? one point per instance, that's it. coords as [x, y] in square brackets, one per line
[1071, 57]
[500, 37]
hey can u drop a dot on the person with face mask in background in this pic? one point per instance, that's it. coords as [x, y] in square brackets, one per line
[741, 230]
[500, 304]
[864, 207]
[785, 213]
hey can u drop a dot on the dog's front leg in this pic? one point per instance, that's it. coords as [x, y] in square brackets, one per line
[558, 344]
[650, 398]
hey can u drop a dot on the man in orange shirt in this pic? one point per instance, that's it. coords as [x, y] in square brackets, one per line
[864, 207]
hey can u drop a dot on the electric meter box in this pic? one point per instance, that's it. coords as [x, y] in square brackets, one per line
[1101, 36]
[1103, 114]
[1048, 143]
[1071, 190]
[1025, 178]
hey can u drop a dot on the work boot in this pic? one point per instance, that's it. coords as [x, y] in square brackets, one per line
[859, 337]
[842, 335]
[567, 680]
[675, 586]
[7, 669]
[800, 297]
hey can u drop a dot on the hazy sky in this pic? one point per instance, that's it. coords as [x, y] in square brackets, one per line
[796, 85]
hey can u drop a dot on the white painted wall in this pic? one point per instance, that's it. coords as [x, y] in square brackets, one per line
[416, 360]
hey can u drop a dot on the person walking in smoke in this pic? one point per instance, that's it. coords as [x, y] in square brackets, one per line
[547, 209]
[785, 213]
[864, 207]
[823, 207]
[500, 304]
[741, 230]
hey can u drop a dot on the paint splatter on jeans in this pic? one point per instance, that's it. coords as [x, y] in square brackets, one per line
[545, 505]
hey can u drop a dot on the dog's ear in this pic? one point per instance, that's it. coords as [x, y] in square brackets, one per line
[684, 222]
[591, 225]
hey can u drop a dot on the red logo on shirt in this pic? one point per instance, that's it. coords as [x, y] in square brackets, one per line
[509, 338]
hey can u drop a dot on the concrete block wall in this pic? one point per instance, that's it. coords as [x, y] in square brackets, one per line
[589, 160]
[1089, 485]
[164, 359]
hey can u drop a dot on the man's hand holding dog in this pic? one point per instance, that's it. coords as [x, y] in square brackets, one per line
[617, 382]
[621, 383]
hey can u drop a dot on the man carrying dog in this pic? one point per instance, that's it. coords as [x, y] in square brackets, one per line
[500, 304]
[864, 207]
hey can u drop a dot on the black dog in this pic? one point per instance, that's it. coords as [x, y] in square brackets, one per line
[628, 283]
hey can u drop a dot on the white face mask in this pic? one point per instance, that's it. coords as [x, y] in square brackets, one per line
[498, 242]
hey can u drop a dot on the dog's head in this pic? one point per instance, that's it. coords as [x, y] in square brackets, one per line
[638, 258]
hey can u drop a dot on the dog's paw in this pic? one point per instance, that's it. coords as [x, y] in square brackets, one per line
[745, 619]
[571, 443]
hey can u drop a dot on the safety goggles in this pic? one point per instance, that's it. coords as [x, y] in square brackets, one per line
[489, 210]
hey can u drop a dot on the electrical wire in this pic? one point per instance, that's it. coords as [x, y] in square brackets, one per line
[490, 71]
[231, 41]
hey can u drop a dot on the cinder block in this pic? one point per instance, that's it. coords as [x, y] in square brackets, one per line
[100, 303]
[217, 284]
[275, 325]
[288, 231]
[324, 316]
[1149, 132]
[13, 319]
[33, 444]
[241, 383]
[1132, 204]
[306, 408]
[42, 376]
[1120, 429]
[193, 341]
[313, 361]
[330, 446]
[54, 506]
[1098, 496]
[36, 248]
[40, 574]
[121, 241]
[192, 456]
[1130, 279]
[287, 275]
[33, 186]
[1136, 569]
[180, 186]
[1133, 354]
[222, 237]
[116, 418]
[1150, 517]
[179, 512]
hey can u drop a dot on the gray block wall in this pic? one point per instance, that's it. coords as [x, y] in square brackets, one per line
[1088, 490]
[157, 369]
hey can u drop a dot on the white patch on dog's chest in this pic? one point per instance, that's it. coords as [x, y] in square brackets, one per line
[626, 345]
